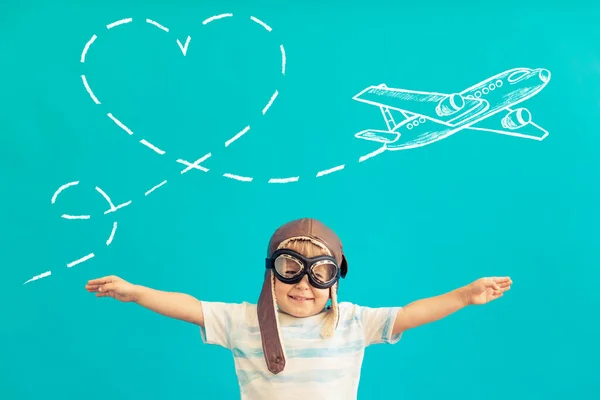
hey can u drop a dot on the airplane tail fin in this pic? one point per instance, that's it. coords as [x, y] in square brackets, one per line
[378, 135]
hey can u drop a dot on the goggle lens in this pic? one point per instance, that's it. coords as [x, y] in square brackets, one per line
[290, 267]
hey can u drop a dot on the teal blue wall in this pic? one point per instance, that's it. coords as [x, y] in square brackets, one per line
[415, 223]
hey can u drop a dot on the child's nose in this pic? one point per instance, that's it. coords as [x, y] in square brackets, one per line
[303, 282]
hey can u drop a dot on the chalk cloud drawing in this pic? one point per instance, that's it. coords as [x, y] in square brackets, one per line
[415, 119]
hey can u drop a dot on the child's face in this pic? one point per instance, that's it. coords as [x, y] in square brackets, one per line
[300, 299]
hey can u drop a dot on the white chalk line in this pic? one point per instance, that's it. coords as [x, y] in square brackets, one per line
[89, 89]
[79, 261]
[196, 164]
[273, 97]
[113, 209]
[63, 187]
[119, 22]
[330, 170]
[110, 203]
[284, 180]
[184, 47]
[159, 26]
[155, 187]
[282, 59]
[87, 47]
[112, 234]
[120, 124]
[372, 154]
[258, 21]
[237, 136]
[296, 178]
[238, 177]
[67, 216]
[40, 276]
[215, 17]
[151, 146]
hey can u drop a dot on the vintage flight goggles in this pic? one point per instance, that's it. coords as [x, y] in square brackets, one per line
[290, 267]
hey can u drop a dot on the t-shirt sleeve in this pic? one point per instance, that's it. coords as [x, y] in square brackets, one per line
[378, 324]
[220, 322]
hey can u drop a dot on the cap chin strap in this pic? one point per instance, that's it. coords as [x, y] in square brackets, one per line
[269, 327]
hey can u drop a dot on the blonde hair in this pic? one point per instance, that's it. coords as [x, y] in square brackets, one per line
[309, 247]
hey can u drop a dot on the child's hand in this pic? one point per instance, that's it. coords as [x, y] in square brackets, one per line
[112, 286]
[484, 290]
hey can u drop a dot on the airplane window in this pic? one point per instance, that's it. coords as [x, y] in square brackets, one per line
[499, 83]
[517, 75]
[492, 86]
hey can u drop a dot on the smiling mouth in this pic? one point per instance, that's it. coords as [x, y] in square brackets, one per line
[299, 298]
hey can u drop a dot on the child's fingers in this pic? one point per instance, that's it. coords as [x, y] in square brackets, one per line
[92, 288]
[107, 287]
[98, 281]
[102, 280]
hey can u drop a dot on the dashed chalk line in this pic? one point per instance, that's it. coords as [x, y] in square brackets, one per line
[89, 89]
[87, 47]
[159, 26]
[284, 180]
[196, 164]
[79, 261]
[113, 209]
[120, 124]
[63, 187]
[372, 154]
[119, 22]
[258, 21]
[216, 17]
[273, 97]
[238, 177]
[155, 187]
[282, 59]
[151, 146]
[110, 203]
[237, 136]
[112, 234]
[189, 166]
[330, 170]
[67, 216]
[40, 276]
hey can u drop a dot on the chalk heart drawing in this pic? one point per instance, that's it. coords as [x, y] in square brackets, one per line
[196, 165]
[163, 141]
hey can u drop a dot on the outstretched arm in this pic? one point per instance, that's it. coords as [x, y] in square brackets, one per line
[171, 304]
[431, 309]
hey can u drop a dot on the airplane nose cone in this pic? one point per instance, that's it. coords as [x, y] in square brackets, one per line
[544, 75]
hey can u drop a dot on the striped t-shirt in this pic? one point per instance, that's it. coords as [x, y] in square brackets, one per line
[316, 368]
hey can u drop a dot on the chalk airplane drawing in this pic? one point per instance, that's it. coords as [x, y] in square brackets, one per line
[423, 118]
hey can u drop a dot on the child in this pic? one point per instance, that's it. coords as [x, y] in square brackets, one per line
[292, 344]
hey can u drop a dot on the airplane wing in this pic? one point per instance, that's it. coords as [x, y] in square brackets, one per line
[442, 108]
[377, 135]
[512, 122]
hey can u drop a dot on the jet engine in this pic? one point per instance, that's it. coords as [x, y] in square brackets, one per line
[516, 119]
[450, 105]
